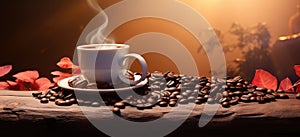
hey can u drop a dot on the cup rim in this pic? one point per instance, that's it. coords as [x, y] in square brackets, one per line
[83, 47]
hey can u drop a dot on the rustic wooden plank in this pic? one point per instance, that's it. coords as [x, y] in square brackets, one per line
[19, 109]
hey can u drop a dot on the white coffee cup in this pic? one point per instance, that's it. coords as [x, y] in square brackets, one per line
[106, 63]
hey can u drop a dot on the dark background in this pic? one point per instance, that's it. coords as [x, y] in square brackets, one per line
[35, 34]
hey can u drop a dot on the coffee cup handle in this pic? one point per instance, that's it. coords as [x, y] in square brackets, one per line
[144, 69]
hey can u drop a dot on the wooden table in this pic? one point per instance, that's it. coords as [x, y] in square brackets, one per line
[23, 115]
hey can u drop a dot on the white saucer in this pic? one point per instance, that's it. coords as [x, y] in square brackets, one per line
[64, 84]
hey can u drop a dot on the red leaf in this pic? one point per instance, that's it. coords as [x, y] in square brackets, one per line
[21, 85]
[41, 84]
[27, 76]
[65, 62]
[13, 85]
[264, 79]
[297, 69]
[4, 85]
[286, 85]
[298, 89]
[5, 69]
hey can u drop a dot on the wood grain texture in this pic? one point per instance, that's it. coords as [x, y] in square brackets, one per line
[21, 114]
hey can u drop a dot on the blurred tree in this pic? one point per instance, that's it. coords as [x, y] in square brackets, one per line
[254, 45]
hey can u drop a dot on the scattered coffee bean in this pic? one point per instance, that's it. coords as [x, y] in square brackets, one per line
[211, 101]
[168, 88]
[226, 104]
[44, 100]
[283, 96]
[116, 111]
[81, 84]
[183, 101]
[93, 104]
[280, 91]
[36, 94]
[163, 104]
[52, 98]
[172, 103]
[298, 96]
[120, 105]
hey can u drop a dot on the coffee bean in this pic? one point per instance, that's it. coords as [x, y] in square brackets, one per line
[211, 101]
[198, 101]
[179, 96]
[44, 100]
[238, 93]
[225, 94]
[298, 96]
[260, 99]
[56, 89]
[163, 104]
[191, 98]
[48, 95]
[206, 96]
[245, 98]
[72, 82]
[276, 95]
[60, 102]
[270, 91]
[262, 89]
[280, 91]
[173, 100]
[226, 104]
[283, 96]
[41, 96]
[171, 89]
[52, 98]
[200, 98]
[73, 100]
[116, 111]
[226, 99]
[236, 79]
[93, 104]
[120, 105]
[259, 93]
[270, 97]
[183, 101]
[36, 94]
[253, 98]
[81, 84]
[172, 103]
[176, 93]
[230, 94]
[234, 101]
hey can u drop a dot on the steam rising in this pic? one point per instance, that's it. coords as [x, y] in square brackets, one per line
[96, 36]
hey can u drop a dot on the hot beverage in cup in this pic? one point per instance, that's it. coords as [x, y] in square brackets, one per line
[106, 64]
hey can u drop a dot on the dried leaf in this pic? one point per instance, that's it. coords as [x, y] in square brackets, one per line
[286, 85]
[22, 85]
[298, 89]
[297, 70]
[13, 85]
[264, 79]
[65, 62]
[4, 85]
[5, 69]
[27, 76]
[41, 84]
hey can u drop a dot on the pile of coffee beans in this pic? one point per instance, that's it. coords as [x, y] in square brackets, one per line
[170, 89]
[58, 95]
